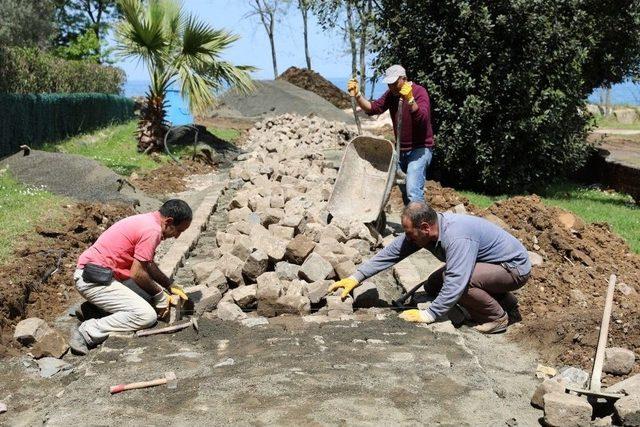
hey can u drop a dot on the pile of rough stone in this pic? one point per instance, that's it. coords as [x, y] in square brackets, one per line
[45, 344]
[570, 409]
[280, 251]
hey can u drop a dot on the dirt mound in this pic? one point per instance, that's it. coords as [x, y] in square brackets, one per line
[169, 178]
[275, 97]
[28, 285]
[314, 82]
[562, 303]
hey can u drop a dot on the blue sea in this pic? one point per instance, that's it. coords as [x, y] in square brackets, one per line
[178, 111]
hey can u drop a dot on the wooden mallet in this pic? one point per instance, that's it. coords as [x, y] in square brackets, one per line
[169, 379]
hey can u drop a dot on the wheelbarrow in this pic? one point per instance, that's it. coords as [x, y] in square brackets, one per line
[364, 181]
[366, 175]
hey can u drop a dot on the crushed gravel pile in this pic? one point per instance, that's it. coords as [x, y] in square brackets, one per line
[275, 97]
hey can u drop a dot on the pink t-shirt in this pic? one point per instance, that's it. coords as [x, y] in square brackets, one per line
[137, 237]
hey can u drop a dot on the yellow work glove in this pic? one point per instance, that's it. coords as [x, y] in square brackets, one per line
[347, 284]
[417, 316]
[177, 290]
[406, 91]
[352, 87]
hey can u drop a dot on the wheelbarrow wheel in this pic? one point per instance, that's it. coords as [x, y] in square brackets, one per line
[381, 222]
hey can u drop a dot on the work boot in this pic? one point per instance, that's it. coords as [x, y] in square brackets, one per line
[78, 344]
[499, 325]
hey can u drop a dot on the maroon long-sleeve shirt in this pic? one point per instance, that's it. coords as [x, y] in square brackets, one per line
[416, 126]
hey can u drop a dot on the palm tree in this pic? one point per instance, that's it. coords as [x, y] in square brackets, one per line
[176, 47]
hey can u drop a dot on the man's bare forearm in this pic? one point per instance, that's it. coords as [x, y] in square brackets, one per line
[363, 103]
[158, 275]
[141, 276]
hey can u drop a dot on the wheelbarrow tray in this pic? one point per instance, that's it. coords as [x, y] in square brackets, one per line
[364, 180]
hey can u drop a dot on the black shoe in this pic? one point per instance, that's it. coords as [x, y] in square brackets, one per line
[78, 344]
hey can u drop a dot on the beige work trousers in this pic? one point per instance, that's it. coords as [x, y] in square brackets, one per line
[126, 301]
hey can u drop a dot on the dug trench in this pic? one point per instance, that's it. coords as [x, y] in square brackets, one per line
[294, 370]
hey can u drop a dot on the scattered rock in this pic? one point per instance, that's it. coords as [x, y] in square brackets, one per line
[230, 311]
[629, 386]
[628, 410]
[535, 258]
[547, 386]
[345, 269]
[315, 268]
[216, 279]
[566, 410]
[366, 295]
[618, 361]
[287, 271]
[316, 291]
[52, 344]
[244, 296]
[49, 366]
[573, 377]
[299, 248]
[256, 264]
[31, 330]
[202, 298]
[336, 307]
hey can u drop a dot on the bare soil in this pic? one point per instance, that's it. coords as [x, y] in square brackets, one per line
[169, 178]
[24, 291]
[562, 302]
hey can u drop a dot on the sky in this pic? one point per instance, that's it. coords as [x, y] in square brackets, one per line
[328, 50]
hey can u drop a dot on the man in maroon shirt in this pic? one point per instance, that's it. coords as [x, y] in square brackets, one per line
[416, 136]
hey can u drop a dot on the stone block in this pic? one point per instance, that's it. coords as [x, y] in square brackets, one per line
[336, 307]
[31, 330]
[299, 248]
[270, 216]
[268, 290]
[244, 227]
[282, 232]
[345, 269]
[360, 245]
[244, 296]
[277, 201]
[628, 410]
[216, 279]
[223, 238]
[573, 377]
[292, 220]
[316, 291]
[240, 214]
[242, 249]
[52, 344]
[256, 264]
[566, 410]
[547, 386]
[618, 361]
[230, 311]
[287, 271]
[202, 270]
[240, 200]
[231, 266]
[629, 386]
[262, 239]
[352, 254]
[315, 268]
[366, 295]
[293, 304]
[202, 299]
[333, 232]
[314, 231]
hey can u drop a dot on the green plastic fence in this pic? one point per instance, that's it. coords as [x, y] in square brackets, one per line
[34, 119]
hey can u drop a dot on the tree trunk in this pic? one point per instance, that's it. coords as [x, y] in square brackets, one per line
[304, 9]
[363, 59]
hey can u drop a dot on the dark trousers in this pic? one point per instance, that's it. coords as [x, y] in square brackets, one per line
[488, 294]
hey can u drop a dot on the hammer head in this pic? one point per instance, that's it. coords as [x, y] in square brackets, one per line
[172, 381]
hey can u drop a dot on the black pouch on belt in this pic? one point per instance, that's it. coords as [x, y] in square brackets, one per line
[93, 273]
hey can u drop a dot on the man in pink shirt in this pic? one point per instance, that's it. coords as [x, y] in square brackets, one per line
[416, 135]
[118, 275]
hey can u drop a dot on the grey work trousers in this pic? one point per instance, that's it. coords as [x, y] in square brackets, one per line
[488, 294]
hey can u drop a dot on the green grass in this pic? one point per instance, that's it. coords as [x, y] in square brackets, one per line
[116, 148]
[113, 146]
[20, 207]
[592, 205]
[611, 122]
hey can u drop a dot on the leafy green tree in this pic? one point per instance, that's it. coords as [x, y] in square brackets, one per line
[23, 23]
[176, 48]
[509, 79]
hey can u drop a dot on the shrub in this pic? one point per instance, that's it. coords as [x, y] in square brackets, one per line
[34, 119]
[30, 70]
[508, 79]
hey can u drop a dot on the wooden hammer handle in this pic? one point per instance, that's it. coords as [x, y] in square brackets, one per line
[596, 373]
[142, 384]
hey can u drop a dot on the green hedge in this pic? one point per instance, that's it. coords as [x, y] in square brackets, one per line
[35, 119]
[30, 70]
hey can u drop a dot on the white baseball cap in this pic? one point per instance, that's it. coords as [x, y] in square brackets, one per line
[393, 73]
